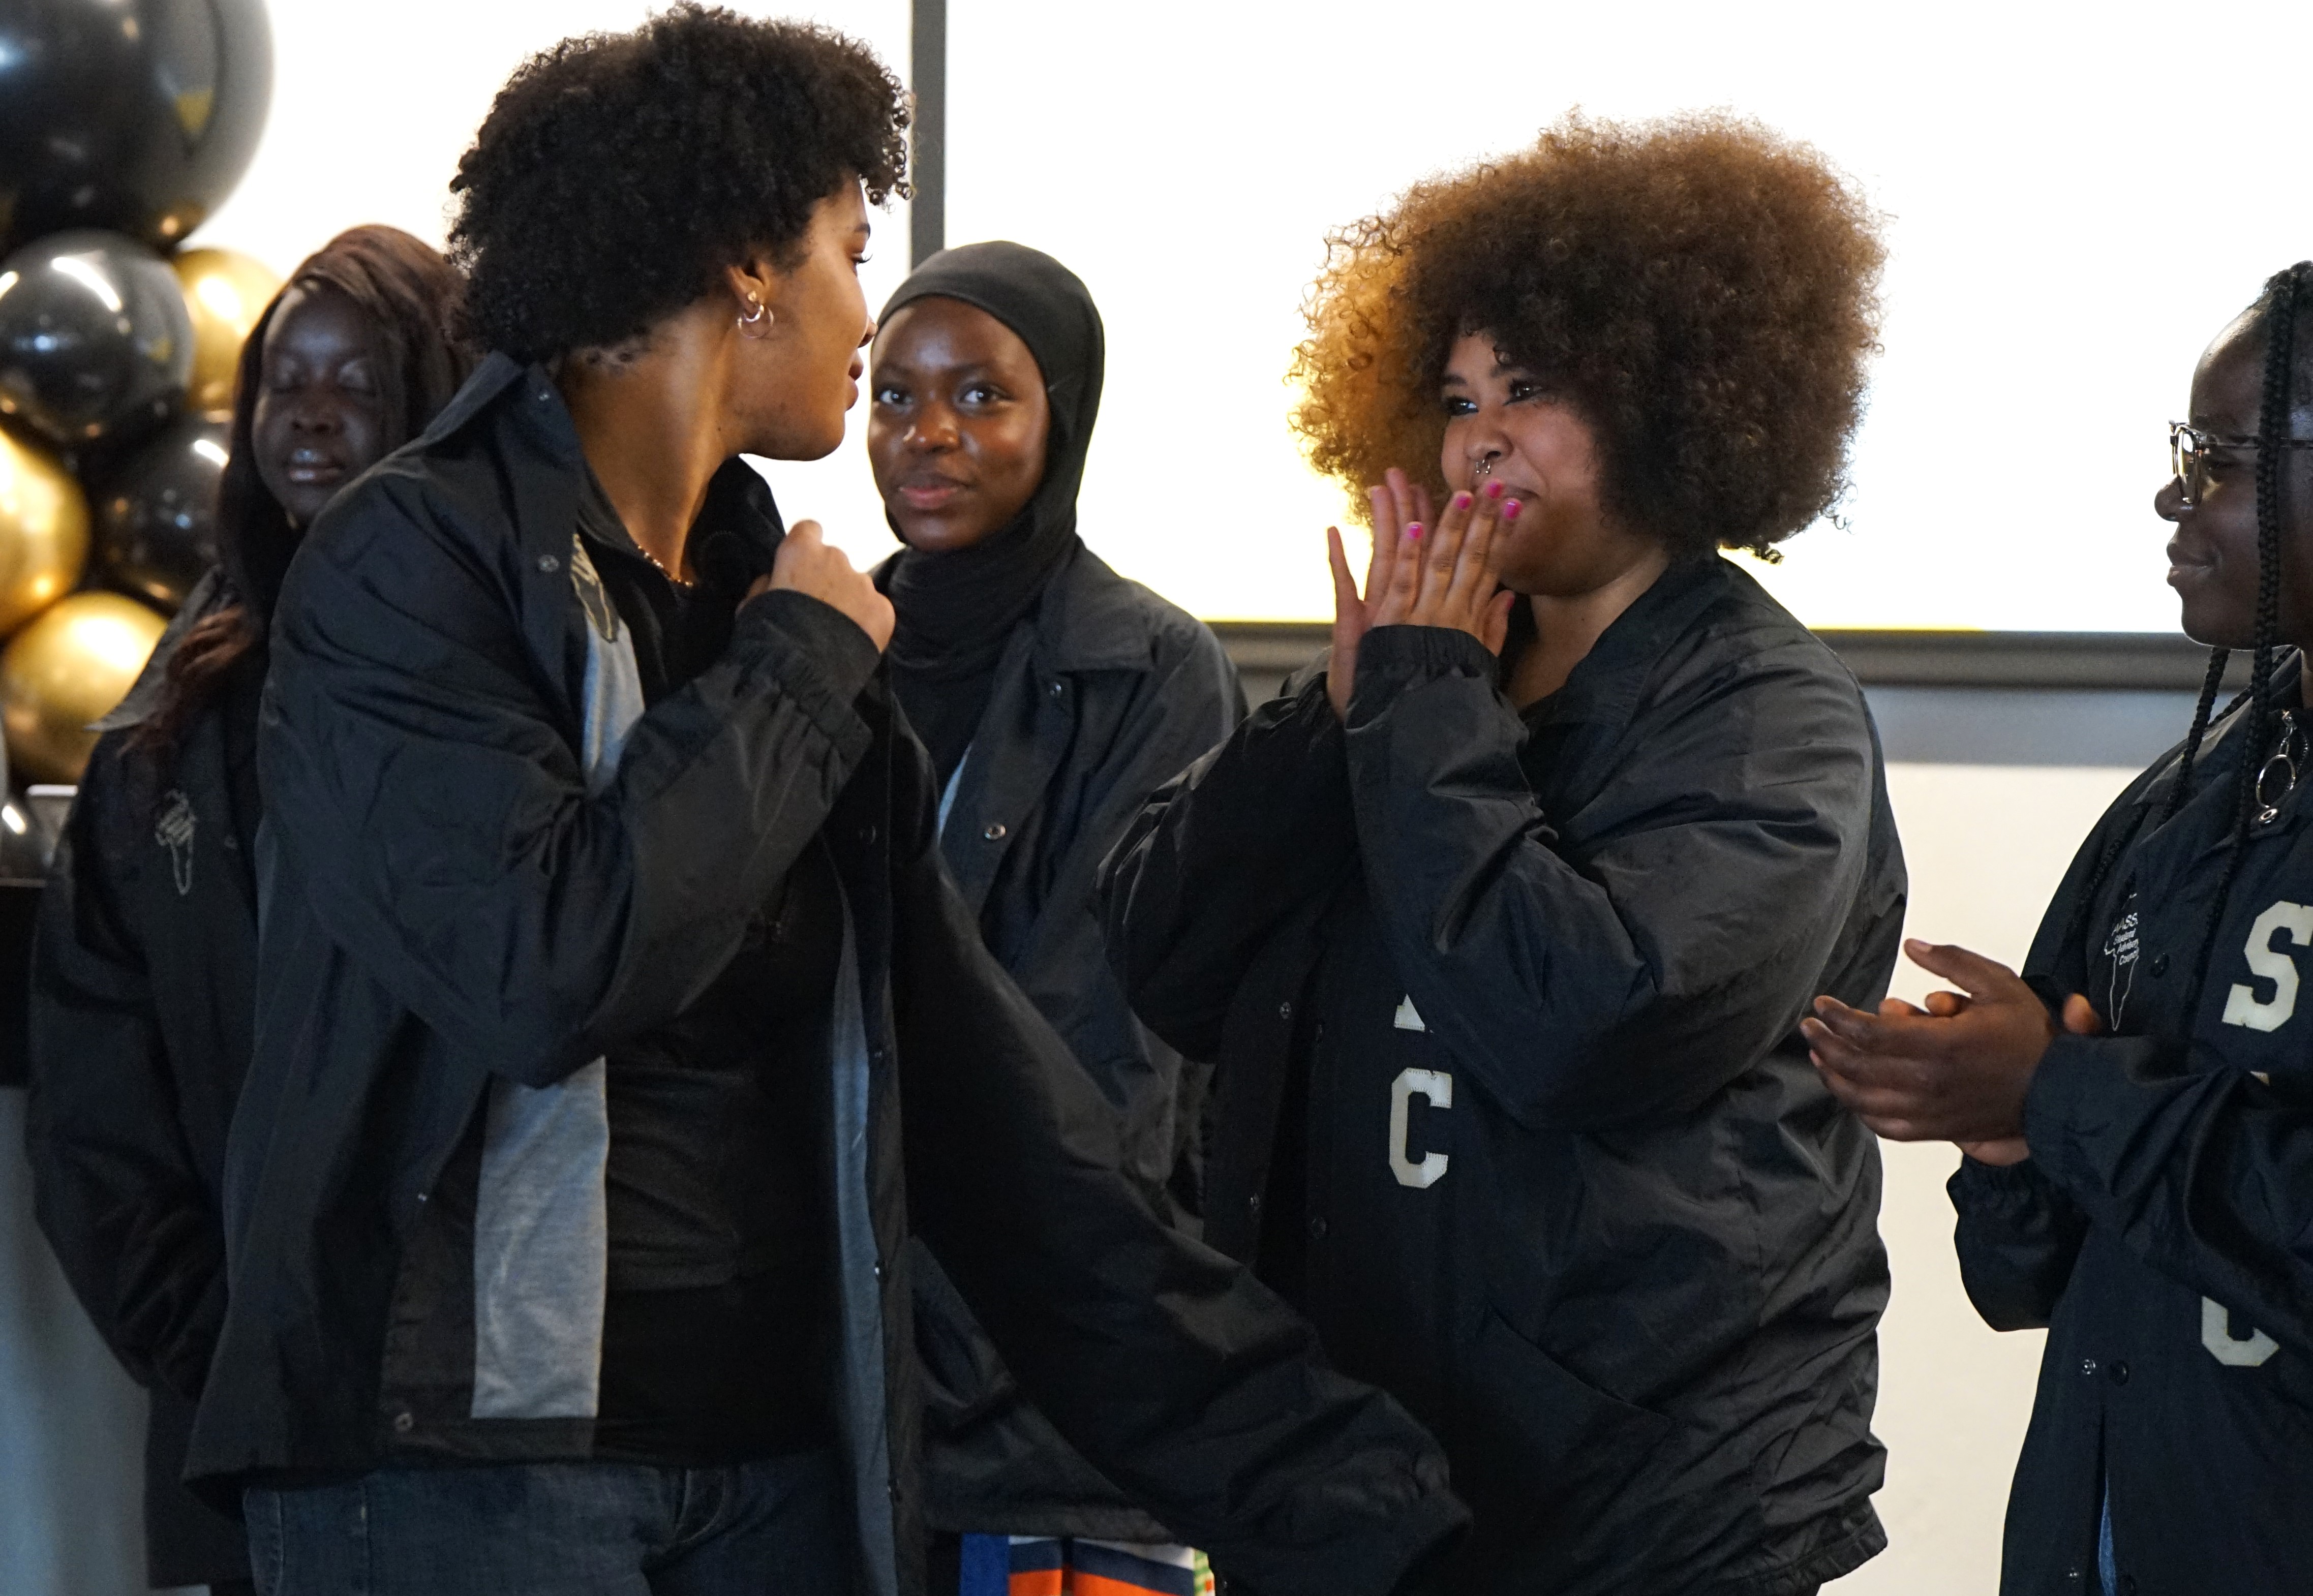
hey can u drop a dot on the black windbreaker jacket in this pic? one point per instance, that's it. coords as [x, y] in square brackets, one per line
[1105, 693]
[143, 993]
[1573, 1190]
[2161, 1228]
[484, 864]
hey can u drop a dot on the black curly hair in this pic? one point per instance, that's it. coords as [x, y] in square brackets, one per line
[1702, 290]
[617, 173]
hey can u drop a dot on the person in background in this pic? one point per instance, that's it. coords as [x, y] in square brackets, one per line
[617, 1024]
[2136, 1108]
[1053, 696]
[1501, 922]
[143, 969]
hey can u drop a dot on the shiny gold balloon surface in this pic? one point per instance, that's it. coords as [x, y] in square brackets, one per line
[226, 292]
[43, 530]
[71, 665]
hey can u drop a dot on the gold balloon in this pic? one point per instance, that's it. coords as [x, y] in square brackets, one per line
[226, 292]
[43, 531]
[71, 665]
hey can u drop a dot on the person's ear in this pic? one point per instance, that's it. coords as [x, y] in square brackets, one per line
[755, 289]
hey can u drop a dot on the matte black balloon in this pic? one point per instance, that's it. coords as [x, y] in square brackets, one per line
[157, 516]
[95, 342]
[136, 115]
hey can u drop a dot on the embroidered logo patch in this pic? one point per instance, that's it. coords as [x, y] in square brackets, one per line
[174, 832]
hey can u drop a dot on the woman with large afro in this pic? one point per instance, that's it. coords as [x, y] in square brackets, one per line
[618, 1025]
[1501, 920]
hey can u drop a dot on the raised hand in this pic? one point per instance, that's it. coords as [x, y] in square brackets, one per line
[1957, 1071]
[807, 564]
[1426, 573]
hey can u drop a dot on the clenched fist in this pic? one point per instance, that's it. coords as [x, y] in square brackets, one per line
[807, 564]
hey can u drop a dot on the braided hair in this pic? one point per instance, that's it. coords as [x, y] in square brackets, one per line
[2277, 310]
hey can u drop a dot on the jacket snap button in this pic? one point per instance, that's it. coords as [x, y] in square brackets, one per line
[2088, 1365]
[1058, 690]
[548, 564]
[1253, 1204]
[2119, 1372]
[868, 835]
[994, 832]
[1284, 1009]
[404, 1421]
[2160, 965]
[1316, 1227]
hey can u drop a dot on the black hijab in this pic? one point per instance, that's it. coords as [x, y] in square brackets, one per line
[956, 610]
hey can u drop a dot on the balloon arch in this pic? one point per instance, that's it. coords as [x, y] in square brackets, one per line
[122, 127]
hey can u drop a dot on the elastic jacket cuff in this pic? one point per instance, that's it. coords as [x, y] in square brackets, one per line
[1978, 1187]
[820, 655]
[1390, 659]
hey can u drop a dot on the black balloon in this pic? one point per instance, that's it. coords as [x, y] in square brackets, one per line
[95, 342]
[135, 115]
[157, 516]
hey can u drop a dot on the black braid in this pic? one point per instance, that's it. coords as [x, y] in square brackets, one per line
[2208, 685]
[2117, 843]
[2273, 424]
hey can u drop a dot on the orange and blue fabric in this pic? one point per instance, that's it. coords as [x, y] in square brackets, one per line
[1040, 1566]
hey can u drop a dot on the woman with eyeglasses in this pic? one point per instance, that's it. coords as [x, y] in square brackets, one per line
[1500, 922]
[2136, 1108]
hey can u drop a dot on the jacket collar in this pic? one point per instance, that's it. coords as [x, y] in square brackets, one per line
[517, 414]
[1090, 618]
[1604, 686]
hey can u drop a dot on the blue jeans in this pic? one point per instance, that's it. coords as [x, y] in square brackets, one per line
[779, 1525]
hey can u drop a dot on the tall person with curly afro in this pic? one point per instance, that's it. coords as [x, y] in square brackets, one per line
[1500, 921]
[617, 1023]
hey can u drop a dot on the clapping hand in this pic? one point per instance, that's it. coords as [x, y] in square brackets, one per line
[1421, 575]
[1956, 1070]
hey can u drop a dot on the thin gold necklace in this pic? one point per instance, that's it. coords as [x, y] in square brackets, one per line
[659, 565]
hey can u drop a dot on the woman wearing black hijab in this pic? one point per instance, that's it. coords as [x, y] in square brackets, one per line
[1053, 696]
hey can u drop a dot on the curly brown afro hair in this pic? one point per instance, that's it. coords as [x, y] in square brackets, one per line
[618, 174]
[1702, 291]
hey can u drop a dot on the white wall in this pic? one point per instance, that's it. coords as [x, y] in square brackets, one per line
[1986, 844]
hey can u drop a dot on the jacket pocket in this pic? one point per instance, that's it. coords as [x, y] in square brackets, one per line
[1542, 1433]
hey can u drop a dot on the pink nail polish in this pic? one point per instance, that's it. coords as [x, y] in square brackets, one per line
[1493, 490]
[1511, 510]
[1461, 501]
[1412, 531]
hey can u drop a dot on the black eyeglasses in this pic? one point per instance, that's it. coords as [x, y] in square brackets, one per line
[2189, 448]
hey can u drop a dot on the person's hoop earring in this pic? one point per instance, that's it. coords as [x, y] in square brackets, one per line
[757, 322]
